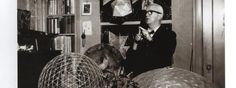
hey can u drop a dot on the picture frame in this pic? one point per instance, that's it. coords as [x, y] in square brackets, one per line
[86, 8]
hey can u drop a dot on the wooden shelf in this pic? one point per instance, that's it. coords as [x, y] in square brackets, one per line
[58, 16]
[133, 23]
[67, 34]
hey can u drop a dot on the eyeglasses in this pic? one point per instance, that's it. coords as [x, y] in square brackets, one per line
[150, 12]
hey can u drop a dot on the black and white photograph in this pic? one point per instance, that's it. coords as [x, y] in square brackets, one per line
[86, 8]
[120, 44]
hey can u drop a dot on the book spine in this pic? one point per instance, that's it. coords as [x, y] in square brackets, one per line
[72, 6]
[48, 25]
[62, 25]
[52, 25]
[52, 12]
[57, 43]
[66, 24]
[50, 7]
[66, 44]
[62, 7]
[58, 25]
[63, 43]
[67, 6]
[69, 24]
[69, 45]
[57, 12]
[72, 24]
[55, 7]
[56, 29]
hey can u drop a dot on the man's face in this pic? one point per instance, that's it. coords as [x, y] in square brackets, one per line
[151, 17]
[153, 14]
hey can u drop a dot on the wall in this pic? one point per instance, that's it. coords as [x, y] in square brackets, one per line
[22, 4]
[95, 38]
[182, 22]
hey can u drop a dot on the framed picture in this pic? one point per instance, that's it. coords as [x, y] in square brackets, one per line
[86, 8]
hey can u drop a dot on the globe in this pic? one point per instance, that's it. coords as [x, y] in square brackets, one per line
[71, 71]
[172, 78]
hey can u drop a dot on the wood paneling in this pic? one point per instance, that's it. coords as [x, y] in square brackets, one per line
[218, 44]
[197, 61]
[207, 39]
[209, 21]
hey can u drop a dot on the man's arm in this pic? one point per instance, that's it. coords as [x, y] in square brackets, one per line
[138, 38]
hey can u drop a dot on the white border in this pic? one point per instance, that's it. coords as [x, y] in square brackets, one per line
[230, 43]
[8, 44]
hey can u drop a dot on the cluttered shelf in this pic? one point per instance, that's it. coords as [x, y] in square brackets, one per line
[133, 23]
[66, 34]
[134, 10]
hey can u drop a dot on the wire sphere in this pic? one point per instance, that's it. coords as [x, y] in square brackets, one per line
[71, 71]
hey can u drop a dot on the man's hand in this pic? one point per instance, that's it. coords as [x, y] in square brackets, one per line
[138, 36]
[145, 34]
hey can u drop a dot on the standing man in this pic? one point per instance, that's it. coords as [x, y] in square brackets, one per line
[153, 46]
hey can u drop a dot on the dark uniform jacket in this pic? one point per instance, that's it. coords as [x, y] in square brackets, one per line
[153, 54]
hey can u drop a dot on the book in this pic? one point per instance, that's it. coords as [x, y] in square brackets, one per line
[63, 43]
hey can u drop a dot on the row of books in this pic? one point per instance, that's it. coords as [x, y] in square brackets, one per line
[57, 25]
[58, 7]
[53, 25]
[63, 43]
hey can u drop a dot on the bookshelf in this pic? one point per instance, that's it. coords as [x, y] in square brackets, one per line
[60, 20]
[46, 28]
